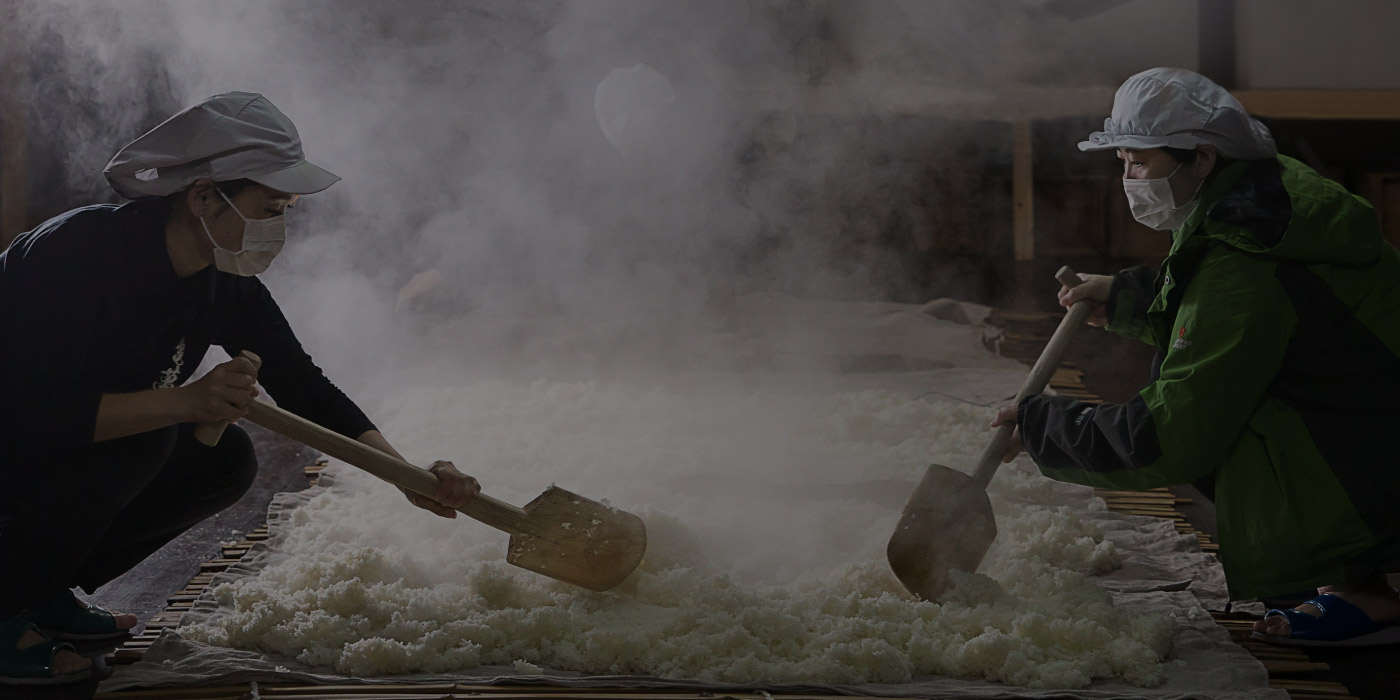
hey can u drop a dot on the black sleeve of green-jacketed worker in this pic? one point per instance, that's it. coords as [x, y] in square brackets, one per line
[1234, 323]
[1064, 433]
[288, 372]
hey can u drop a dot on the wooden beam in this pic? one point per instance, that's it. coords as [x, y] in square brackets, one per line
[14, 114]
[1215, 41]
[1022, 191]
[1322, 104]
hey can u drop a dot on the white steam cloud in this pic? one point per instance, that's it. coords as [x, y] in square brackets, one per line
[469, 139]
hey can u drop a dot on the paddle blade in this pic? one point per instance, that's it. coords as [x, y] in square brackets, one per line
[947, 524]
[579, 541]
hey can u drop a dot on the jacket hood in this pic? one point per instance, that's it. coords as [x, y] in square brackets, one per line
[1282, 208]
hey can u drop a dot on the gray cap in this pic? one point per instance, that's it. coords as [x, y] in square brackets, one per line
[1176, 108]
[226, 137]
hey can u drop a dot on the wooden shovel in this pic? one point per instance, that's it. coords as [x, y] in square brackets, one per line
[948, 522]
[559, 534]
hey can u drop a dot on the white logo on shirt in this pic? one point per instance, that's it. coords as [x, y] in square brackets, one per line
[1181, 342]
[170, 376]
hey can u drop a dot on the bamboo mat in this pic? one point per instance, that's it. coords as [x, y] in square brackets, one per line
[1024, 334]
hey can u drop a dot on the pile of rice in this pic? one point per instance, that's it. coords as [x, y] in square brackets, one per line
[757, 570]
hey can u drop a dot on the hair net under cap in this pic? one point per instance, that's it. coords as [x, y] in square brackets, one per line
[1175, 108]
[230, 136]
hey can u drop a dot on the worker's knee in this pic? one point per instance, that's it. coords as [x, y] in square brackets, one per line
[137, 457]
[102, 475]
[231, 467]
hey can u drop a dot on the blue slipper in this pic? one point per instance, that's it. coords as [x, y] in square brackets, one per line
[1341, 625]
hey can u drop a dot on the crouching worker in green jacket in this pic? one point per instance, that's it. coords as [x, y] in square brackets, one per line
[1276, 316]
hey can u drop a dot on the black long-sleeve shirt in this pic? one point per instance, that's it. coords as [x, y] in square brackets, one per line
[90, 304]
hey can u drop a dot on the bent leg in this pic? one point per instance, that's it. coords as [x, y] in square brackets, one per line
[54, 515]
[196, 482]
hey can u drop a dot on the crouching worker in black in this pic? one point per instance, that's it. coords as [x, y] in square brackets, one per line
[105, 312]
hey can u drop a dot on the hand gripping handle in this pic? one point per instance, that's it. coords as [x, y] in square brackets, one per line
[1040, 376]
[209, 433]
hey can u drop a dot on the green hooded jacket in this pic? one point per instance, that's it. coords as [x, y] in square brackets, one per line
[1276, 316]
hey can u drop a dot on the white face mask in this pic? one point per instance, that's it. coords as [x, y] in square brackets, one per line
[262, 241]
[1153, 204]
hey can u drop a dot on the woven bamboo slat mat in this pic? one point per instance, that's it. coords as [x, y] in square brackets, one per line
[1024, 334]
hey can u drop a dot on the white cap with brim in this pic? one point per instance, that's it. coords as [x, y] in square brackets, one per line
[1176, 108]
[232, 136]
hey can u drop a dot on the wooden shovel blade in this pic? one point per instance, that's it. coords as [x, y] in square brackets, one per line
[579, 541]
[947, 524]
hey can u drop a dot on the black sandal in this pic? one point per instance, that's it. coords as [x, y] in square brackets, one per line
[32, 665]
[65, 617]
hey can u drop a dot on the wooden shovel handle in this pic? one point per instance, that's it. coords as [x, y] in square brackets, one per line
[498, 514]
[210, 433]
[1041, 372]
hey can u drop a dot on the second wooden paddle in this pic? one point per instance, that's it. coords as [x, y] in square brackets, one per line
[948, 522]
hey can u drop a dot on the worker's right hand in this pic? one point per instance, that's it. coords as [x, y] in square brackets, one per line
[222, 394]
[1094, 289]
[454, 490]
[1008, 414]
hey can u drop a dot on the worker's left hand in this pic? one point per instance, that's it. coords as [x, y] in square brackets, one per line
[454, 490]
[1005, 415]
[1094, 289]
